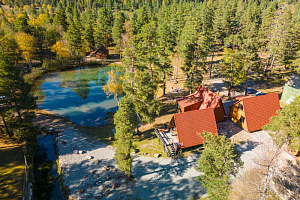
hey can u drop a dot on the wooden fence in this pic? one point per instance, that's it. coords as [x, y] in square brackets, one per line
[27, 191]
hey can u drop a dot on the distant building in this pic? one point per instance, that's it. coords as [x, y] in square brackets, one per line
[187, 125]
[253, 112]
[100, 53]
[291, 89]
[202, 99]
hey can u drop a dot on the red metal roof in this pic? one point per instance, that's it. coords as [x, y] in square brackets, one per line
[189, 100]
[259, 109]
[188, 124]
[208, 98]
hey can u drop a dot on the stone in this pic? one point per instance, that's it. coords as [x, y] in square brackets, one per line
[88, 185]
[73, 147]
[87, 195]
[80, 151]
[106, 168]
[98, 183]
[156, 155]
[80, 191]
[98, 196]
[63, 142]
[106, 192]
[85, 176]
[89, 157]
[115, 185]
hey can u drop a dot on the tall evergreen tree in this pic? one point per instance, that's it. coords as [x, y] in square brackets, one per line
[117, 31]
[217, 162]
[125, 120]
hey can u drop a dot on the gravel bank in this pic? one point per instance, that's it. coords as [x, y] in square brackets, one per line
[155, 178]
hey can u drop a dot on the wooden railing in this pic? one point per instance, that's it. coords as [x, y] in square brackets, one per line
[170, 148]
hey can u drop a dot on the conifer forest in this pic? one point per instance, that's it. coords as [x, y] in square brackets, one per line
[153, 43]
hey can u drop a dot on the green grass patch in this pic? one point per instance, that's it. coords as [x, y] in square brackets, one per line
[101, 133]
[12, 169]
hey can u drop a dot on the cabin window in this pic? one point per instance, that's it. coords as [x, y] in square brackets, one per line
[242, 119]
[178, 106]
[240, 106]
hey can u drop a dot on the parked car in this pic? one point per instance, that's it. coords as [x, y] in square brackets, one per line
[249, 90]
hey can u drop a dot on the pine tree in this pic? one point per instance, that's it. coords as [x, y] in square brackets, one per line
[117, 31]
[60, 18]
[217, 162]
[104, 27]
[15, 92]
[165, 49]
[74, 38]
[125, 120]
[285, 126]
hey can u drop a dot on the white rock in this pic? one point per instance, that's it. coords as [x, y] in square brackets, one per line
[80, 152]
[156, 155]
[89, 157]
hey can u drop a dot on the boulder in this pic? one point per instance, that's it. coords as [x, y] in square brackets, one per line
[115, 185]
[80, 191]
[156, 155]
[98, 196]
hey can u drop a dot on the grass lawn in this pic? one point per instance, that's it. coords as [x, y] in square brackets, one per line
[12, 169]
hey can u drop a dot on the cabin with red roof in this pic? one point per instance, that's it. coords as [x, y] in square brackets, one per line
[187, 125]
[202, 99]
[253, 112]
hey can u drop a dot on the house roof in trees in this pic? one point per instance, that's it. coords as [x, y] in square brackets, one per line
[259, 109]
[102, 49]
[207, 97]
[294, 81]
[189, 100]
[188, 124]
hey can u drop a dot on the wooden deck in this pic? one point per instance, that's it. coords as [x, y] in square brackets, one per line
[170, 143]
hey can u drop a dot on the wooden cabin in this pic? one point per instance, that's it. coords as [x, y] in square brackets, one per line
[188, 125]
[291, 89]
[202, 99]
[100, 53]
[253, 112]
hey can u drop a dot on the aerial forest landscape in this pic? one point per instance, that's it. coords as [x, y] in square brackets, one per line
[160, 99]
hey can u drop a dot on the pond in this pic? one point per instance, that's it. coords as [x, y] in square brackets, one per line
[77, 95]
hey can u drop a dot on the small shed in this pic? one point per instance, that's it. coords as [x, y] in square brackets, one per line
[188, 125]
[100, 53]
[253, 112]
[202, 99]
[291, 89]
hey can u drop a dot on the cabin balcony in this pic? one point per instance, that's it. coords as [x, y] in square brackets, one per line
[169, 140]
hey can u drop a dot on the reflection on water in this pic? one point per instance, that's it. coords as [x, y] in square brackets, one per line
[77, 95]
[46, 186]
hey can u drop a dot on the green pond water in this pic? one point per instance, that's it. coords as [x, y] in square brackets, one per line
[77, 95]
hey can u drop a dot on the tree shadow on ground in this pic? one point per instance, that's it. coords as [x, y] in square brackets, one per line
[246, 146]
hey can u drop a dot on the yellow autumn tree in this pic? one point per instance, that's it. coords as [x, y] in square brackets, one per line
[25, 43]
[61, 49]
[113, 85]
